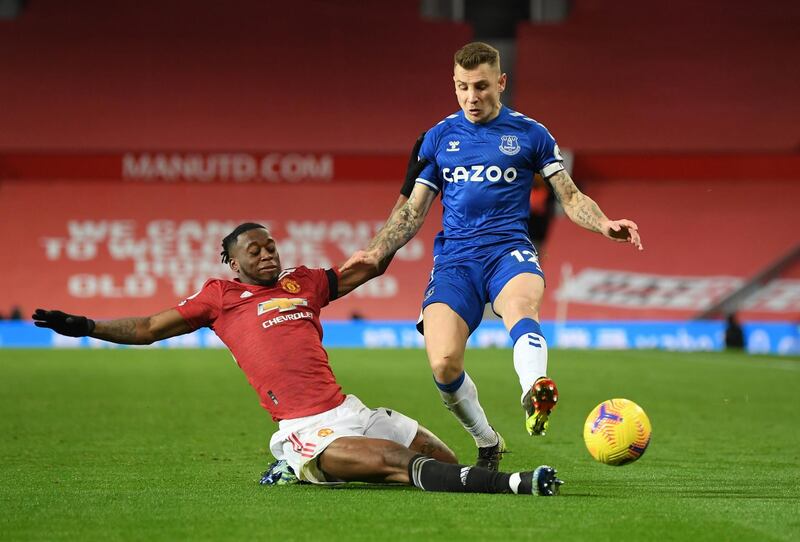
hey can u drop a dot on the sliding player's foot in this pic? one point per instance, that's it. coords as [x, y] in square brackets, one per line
[279, 474]
[544, 481]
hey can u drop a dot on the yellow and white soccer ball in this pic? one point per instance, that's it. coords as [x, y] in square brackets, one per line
[617, 432]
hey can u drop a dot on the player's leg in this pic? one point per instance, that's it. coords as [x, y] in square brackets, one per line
[445, 341]
[389, 424]
[518, 304]
[364, 459]
[377, 460]
[428, 444]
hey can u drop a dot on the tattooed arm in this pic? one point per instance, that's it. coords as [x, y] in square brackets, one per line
[123, 331]
[580, 208]
[401, 227]
[401, 200]
[413, 169]
[404, 223]
[145, 330]
[583, 211]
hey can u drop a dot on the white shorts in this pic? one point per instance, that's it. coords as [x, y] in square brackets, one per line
[301, 440]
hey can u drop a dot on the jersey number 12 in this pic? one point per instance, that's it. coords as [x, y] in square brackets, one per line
[520, 255]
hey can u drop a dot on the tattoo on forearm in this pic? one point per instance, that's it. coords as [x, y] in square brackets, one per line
[399, 229]
[588, 214]
[580, 208]
[123, 331]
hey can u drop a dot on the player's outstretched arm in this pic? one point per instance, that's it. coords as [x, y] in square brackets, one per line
[401, 200]
[398, 230]
[583, 211]
[354, 274]
[413, 170]
[381, 249]
[144, 330]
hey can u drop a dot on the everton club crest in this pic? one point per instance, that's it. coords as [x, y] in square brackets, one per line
[289, 285]
[509, 145]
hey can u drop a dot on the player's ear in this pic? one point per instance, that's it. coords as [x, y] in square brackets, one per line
[501, 83]
[234, 265]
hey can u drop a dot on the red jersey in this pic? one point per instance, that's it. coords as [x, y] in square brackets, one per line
[275, 336]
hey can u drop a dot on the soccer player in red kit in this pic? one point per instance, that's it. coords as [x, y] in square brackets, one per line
[269, 319]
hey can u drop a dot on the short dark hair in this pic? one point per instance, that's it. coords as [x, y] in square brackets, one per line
[476, 53]
[230, 239]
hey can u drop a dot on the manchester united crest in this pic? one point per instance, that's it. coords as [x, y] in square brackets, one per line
[289, 285]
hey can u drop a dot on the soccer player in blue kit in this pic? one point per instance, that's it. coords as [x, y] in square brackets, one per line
[482, 161]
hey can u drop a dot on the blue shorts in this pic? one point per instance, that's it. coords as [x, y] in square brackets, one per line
[466, 280]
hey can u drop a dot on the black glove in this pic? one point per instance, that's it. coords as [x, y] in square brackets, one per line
[414, 168]
[63, 323]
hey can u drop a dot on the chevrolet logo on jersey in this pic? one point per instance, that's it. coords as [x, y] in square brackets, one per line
[282, 304]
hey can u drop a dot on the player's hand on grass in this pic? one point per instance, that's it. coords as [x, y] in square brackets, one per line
[63, 323]
[623, 231]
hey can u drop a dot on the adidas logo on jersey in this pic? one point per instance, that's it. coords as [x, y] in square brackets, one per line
[479, 173]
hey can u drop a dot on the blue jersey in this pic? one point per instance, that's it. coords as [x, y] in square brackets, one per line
[484, 173]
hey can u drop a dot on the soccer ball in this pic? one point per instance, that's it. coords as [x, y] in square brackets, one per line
[617, 432]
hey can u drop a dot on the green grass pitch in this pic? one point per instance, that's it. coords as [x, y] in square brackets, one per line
[169, 444]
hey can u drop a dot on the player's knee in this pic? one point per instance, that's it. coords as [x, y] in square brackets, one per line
[446, 367]
[426, 443]
[521, 307]
[442, 453]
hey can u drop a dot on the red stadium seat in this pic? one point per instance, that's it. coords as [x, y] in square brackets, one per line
[681, 75]
[700, 228]
[340, 76]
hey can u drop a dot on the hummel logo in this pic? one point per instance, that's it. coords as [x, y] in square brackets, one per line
[452, 146]
[246, 294]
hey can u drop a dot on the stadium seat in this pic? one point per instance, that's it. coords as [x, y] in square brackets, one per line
[683, 75]
[340, 76]
[720, 231]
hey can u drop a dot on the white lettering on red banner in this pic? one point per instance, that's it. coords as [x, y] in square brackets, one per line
[185, 253]
[781, 295]
[642, 290]
[227, 167]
